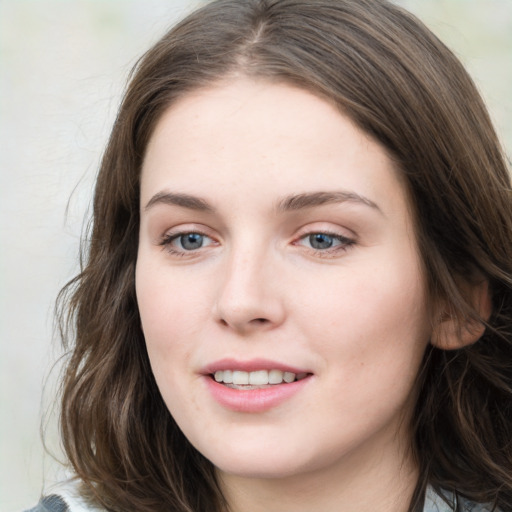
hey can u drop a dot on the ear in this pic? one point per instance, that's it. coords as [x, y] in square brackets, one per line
[452, 332]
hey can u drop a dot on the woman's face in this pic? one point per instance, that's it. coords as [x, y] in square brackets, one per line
[276, 245]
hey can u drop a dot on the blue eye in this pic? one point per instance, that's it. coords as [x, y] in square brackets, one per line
[181, 243]
[321, 241]
[191, 241]
[326, 242]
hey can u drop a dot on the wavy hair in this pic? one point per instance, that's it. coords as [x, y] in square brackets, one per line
[401, 85]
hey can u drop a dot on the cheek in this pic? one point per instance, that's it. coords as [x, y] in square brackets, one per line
[170, 303]
[165, 312]
[382, 290]
[163, 317]
[371, 329]
[172, 315]
[374, 316]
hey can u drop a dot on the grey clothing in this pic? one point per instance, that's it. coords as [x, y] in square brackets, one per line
[52, 503]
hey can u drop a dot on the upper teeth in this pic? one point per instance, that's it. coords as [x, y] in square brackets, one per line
[257, 378]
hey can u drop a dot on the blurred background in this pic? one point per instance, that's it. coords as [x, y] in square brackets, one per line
[63, 66]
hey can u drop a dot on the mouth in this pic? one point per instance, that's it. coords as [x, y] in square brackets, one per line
[259, 379]
[254, 386]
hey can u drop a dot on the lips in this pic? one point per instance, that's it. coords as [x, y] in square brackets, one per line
[250, 366]
[253, 386]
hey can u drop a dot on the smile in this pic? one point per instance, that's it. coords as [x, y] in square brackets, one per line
[238, 379]
[254, 386]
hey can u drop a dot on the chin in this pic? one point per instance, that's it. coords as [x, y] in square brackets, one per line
[262, 462]
[259, 470]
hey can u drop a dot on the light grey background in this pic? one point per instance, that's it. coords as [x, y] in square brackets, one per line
[63, 65]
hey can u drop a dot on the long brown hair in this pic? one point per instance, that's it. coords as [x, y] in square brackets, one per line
[385, 70]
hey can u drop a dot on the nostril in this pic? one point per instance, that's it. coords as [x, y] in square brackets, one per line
[251, 325]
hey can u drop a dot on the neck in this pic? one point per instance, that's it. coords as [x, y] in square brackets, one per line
[382, 481]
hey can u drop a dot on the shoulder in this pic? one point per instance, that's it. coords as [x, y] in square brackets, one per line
[65, 497]
[435, 503]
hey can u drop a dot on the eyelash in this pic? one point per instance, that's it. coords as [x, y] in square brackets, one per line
[344, 243]
[169, 238]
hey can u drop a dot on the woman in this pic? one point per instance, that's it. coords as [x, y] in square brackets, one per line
[298, 288]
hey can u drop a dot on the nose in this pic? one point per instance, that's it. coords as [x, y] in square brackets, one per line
[250, 295]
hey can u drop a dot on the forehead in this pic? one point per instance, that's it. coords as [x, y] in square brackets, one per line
[265, 137]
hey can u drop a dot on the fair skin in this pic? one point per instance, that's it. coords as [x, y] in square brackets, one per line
[276, 237]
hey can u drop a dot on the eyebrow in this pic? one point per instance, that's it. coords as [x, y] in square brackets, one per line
[310, 200]
[290, 203]
[178, 199]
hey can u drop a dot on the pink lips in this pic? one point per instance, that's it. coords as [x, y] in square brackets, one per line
[250, 366]
[253, 400]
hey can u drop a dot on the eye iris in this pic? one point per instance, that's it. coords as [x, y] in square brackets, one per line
[191, 241]
[321, 241]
